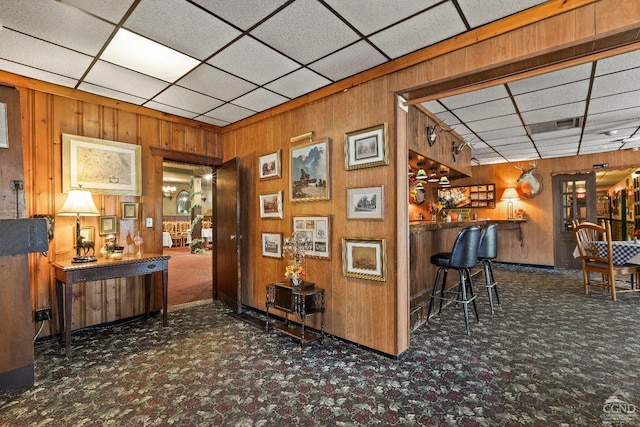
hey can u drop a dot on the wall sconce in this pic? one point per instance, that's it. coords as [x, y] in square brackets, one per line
[167, 191]
[80, 203]
[510, 195]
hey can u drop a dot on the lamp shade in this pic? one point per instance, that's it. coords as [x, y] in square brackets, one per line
[421, 174]
[510, 194]
[79, 202]
[444, 181]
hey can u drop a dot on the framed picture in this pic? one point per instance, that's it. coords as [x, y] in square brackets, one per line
[4, 127]
[270, 165]
[364, 259]
[86, 233]
[309, 172]
[271, 205]
[272, 245]
[129, 210]
[365, 203]
[366, 148]
[317, 229]
[100, 166]
[108, 225]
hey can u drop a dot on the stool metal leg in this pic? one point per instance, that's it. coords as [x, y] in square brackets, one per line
[463, 289]
[434, 291]
[490, 282]
[473, 293]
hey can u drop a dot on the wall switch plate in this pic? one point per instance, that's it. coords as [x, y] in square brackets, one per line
[149, 222]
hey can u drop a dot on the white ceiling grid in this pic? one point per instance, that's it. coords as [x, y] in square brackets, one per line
[247, 56]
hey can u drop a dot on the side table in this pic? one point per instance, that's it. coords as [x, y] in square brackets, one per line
[302, 302]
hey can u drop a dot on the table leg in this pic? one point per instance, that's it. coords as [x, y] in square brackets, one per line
[147, 295]
[302, 316]
[165, 295]
[68, 302]
[60, 298]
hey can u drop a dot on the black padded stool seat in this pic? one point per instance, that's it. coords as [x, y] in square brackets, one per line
[488, 250]
[463, 256]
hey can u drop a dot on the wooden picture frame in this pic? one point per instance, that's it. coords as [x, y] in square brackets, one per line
[271, 205]
[100, 166]
[318, 230]
[270, 166]
[108, 225]
[365, 203]
[364, 259]
[366, 148]
[129, 210]
[309, 172]
[271, 245]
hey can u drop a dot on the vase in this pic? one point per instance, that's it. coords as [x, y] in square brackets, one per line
[296, 282]
[434, 218]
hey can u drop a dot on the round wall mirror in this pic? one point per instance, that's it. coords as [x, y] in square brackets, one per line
[184, 202]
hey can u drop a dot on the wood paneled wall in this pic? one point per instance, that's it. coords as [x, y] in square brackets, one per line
[45, 117]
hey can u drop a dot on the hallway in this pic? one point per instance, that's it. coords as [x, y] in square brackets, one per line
[190, 275]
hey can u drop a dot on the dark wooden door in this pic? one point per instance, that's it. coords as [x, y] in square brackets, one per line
[226, 260]
[574, 197]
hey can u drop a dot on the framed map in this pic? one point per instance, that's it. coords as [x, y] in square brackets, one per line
[100, 166]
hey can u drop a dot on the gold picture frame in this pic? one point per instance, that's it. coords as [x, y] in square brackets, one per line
[108, 225]
[129, 210]
[364, 259]
[100, 166]
[366, 148]
[309, 172]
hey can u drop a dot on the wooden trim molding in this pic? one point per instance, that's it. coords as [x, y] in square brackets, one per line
[181, 156]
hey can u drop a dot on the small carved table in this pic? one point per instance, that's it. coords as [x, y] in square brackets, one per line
[301, 302]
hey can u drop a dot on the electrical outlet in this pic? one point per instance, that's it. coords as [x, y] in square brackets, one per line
[43, 314]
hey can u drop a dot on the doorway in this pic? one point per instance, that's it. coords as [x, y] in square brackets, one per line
[574, 198]
[190, 272]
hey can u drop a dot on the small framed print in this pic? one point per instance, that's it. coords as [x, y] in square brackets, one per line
[108, 225]
[272, 245]
[271, 205]
[318, 230]
[364, 259]
[270, 165]
[366, 148]
[365, 203]
[129, 210]
[86, 233]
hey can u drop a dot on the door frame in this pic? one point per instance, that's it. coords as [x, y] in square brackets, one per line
[563, 238]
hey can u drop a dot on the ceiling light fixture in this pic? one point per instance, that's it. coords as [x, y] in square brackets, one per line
[140, 54]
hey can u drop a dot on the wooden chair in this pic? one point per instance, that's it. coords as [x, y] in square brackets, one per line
[586, 233]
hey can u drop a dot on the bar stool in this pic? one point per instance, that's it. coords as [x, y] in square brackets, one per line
[488, 250]
[463, 256]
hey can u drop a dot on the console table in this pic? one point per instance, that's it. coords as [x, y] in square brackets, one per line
[302, 302]
[68, 273]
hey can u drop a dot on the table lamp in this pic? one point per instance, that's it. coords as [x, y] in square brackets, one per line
[79, 203]
[510, 194]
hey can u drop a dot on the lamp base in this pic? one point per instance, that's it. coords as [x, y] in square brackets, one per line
[81, 259]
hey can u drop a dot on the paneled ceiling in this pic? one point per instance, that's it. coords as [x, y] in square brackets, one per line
[228, 60]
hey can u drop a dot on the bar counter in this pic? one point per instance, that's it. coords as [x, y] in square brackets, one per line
[427, 238]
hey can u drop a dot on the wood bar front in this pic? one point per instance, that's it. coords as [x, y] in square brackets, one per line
[427, 238]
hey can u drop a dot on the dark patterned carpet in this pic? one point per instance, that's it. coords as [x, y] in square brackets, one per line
[550, 356]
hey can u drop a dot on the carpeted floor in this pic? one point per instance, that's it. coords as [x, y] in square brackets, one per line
[550, 356]
[190, 275]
